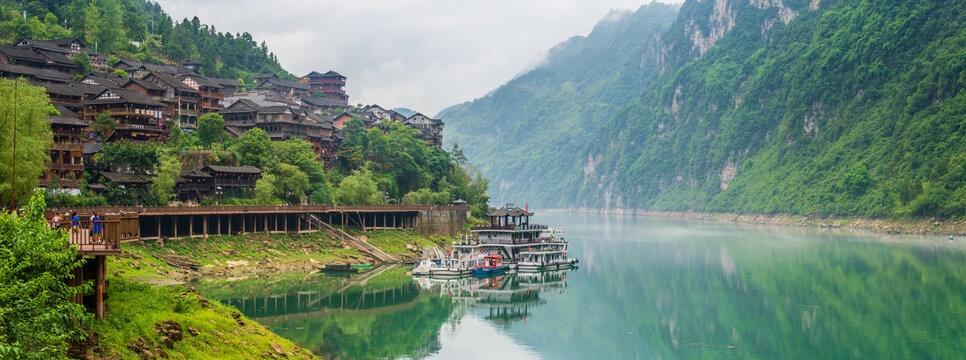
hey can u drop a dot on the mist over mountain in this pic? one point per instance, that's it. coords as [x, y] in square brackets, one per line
[764, 106]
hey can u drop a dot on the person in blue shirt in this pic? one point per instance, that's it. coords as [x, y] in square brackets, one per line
[74, 225]
[96, 229]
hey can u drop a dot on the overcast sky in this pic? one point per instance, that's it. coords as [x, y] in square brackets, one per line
[421, 54]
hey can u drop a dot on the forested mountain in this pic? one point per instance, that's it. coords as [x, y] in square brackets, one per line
[833, 107]
[141, 30]
[530, 136]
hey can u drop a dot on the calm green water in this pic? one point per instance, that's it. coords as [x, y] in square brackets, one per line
[646, 289]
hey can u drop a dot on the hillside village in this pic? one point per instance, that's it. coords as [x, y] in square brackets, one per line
[145, 101]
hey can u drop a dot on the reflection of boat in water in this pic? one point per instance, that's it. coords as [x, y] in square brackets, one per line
[507, 297]
[339, 268]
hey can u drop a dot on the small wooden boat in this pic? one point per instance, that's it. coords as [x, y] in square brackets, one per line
[339, 268]
[360, 266]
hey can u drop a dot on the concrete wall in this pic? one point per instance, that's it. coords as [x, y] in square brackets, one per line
[441, 222]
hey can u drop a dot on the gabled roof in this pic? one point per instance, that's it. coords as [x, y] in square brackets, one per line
[195, 173]
[270, 82]
[322, 102]
[508, 212]
[227, 82]
[275, 110]
[66, 117]
[56, 58]
[203, 81]
[313, 74]
[144, 83]
[333, 73]
[21, 54]
[233, 169]
[127, 96]
[39, 74]
[59, 89]
[126, 178]
[53, 45]
[242, 105]
[172, 81]
[89, 89]
[265, 76]
[108, 81]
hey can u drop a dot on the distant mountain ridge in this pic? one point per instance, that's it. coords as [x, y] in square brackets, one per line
[849, 107]
[524, 135]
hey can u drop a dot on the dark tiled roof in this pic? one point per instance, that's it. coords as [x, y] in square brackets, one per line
[92, 148]
[313, 74]
[507, 212]
[227, 82]
[89, 89]
[40, 74]
[274, 110]
[322, 102]
[244, 105]
[284, 83]
[333, 73]
[265, 76]
[50, 45]
[113, 82]
[128, 96]
[233, 169]
[22, 53]
[194, 173]
[203, 81]
[57, 58]
[127, 178]
[146, 84]
[172, 81]
[66, 117]
[59, 89]
[170, 69]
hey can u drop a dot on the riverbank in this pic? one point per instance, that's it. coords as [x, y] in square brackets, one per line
[177, 261]
[926, 226]
[148, 319]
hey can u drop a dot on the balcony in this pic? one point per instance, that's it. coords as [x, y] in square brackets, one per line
[67, 146]
[138, 127]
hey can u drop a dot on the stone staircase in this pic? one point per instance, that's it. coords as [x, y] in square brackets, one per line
[355, 243]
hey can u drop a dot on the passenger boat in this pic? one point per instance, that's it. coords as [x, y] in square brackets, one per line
[525, 246]
[520, 245]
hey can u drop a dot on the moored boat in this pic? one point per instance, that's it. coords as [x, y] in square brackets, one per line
[490, 265]
[339, 268]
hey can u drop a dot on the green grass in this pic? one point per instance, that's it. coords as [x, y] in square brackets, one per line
[135, 308]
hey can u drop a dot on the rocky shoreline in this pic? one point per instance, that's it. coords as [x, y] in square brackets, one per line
[927, 226]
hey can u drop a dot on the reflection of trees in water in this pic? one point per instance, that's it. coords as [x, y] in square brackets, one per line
[380, 317]
[777, 298]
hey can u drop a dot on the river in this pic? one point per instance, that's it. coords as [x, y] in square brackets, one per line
[645, 289]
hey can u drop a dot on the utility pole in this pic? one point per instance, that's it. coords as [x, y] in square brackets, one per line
[13, 179]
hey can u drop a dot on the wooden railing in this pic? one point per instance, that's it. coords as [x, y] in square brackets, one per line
[92, 236]
[171, 210]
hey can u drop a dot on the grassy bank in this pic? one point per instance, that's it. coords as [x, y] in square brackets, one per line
[141, 317]
[227, 255]
[175, 322]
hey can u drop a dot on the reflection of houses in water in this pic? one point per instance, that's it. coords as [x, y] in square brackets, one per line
[507, 297]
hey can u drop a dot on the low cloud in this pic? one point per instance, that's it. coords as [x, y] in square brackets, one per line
[422, 54]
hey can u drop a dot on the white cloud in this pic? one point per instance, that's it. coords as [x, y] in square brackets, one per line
[421, 54]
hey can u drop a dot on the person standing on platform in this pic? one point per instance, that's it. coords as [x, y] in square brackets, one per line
[96, 229]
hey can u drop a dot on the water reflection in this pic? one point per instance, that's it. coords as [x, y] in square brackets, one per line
[646, 289]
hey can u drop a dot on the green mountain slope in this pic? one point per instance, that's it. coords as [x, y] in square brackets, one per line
[526, 135]
[834, 107]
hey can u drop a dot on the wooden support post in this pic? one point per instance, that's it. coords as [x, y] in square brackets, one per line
[175, 226]
[101, 264]
[219, 223]
[276, 222]
[205, 225]
[229, 224]
[285, 222]
[243, 229]
[265, 219]
[158, 218]
[298, 220]
[191, 225]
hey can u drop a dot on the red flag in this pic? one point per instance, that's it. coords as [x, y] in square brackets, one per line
[526, 206]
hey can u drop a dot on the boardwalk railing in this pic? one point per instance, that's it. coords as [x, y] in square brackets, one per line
[172, 210]
[92, 236]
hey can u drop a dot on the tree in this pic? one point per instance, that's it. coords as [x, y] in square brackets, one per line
[167, 172]
[126, 155]
[253, 148]
[38, 318]
[83, 63]
[357, 189]
[291, 183]
[109, 27]
[211, 128]
[103, 125]
[29, 109]
[265, 190]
